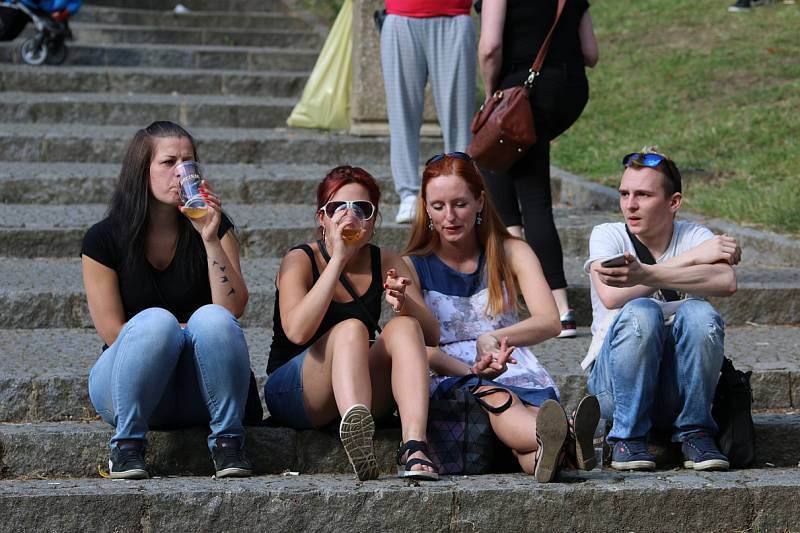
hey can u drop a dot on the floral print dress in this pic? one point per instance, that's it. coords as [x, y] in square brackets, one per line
[459, 302]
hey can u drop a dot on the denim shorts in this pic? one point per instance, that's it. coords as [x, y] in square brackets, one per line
[283, 394]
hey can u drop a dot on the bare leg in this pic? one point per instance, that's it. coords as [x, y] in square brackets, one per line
[516, 428]
[562, 303]
[336, 372]
[399, 370]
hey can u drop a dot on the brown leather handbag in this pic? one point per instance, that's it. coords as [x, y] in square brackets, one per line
[503, 128]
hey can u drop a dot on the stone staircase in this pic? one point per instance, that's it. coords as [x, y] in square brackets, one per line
[231, 72]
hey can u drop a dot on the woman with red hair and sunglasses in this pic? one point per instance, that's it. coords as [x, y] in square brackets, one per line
[471, 271]
[326, 361]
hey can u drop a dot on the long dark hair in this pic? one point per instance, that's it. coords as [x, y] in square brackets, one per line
[130, 204]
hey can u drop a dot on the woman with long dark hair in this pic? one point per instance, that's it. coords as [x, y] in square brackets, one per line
[512, 31]
[471, 272]
[164, 293]
[326, 361]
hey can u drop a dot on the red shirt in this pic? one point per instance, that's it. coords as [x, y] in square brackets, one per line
[428, 8]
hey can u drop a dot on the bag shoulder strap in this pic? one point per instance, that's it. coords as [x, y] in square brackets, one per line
[479, 395]
[646, 257]
[537, 63]
[346, 283]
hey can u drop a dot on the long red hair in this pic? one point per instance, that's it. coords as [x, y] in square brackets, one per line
[491, 233]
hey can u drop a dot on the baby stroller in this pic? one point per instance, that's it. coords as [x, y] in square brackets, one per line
[52, 29]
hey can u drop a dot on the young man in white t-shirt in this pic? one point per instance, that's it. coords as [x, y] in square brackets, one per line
[658, 345]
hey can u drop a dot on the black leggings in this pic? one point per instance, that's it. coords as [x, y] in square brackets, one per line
[522, 195]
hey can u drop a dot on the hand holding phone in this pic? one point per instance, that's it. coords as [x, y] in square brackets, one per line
[613, 262]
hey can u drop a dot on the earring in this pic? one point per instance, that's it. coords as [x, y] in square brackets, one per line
[323, 233]
[430, 224]
[478, 219]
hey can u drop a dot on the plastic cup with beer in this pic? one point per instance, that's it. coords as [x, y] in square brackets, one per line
[194, 206]
[352, 221]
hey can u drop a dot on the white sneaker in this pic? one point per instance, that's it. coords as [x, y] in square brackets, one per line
[407, 210]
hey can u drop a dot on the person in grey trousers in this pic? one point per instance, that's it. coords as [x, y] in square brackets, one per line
[423, 39]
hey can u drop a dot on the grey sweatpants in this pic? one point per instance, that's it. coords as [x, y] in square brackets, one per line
[411, 49]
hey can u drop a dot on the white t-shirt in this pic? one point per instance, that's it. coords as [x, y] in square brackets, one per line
[611, 239]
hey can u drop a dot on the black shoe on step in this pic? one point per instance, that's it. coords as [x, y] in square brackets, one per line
[126, 460]
[230, 459]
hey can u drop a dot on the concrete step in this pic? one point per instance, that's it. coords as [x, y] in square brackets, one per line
[27, 450]
[273, 450]
[235, 6]
[106, 144]
[264, 229]
[120, 33]
[44, 372]
[166, 18]
[76, 183]
[194, 56]
[138, 80]
[120, 109]
[56, 183]
[48, 292]
[745, 500]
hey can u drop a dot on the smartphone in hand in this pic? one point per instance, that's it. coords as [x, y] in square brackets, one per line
[616, 261]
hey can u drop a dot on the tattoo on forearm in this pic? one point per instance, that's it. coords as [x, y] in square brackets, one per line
[224, 278]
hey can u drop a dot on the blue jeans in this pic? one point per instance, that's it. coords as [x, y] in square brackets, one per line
[283, 394]
[157, 374]
[651, 375]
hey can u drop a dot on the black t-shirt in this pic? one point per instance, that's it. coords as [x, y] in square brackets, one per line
[168, 288]
[526, 25]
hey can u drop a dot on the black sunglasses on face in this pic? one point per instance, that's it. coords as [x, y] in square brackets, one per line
[365, 206]
[457, 155]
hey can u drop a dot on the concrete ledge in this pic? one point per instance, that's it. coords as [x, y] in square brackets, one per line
[80, 449]
[138, 80]
[196, 56]
[43, 372]
[755, 500]
[260, 20]
[104, 144]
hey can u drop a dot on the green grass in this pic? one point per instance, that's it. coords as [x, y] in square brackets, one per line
[718, 91]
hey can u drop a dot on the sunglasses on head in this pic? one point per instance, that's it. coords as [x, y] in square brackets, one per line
[365, 206]
[651, 160]
[457, 155]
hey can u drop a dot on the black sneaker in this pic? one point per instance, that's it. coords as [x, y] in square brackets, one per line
[632, 454]
[126, 460]
[568, 327]
[740, 5]
[230, 459]
[700, 452]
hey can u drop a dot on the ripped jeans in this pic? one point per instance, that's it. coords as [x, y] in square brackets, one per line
[651, 375]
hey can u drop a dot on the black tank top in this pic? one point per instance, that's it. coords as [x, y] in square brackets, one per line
[282, 349]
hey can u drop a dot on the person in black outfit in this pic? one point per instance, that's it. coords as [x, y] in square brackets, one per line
[512, 31]
[164, 292]
[325, 360]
